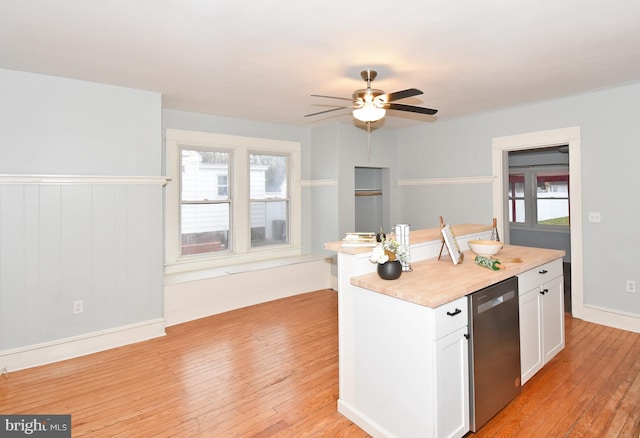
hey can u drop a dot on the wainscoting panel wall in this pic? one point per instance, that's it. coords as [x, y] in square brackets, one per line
[78, 255]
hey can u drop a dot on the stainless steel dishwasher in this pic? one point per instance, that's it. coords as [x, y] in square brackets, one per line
[494, 350]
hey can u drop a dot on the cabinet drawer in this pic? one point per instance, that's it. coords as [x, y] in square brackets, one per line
[535, 277]
[451, 317]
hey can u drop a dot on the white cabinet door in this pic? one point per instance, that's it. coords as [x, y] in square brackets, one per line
[411, 370]
[531, 356]
[552, 318]
[541, 316]
[452, 384]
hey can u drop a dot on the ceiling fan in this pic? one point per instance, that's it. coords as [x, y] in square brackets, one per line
[370, 104]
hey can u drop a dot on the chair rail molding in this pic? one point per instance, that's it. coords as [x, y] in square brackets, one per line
[318, 182]
[83, 179]
[440, 181]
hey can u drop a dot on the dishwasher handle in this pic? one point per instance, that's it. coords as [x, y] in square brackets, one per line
[496, 301]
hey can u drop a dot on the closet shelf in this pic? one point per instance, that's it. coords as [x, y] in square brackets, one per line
[368, 192]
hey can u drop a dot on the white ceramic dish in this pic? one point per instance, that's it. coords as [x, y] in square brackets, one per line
[485, 247]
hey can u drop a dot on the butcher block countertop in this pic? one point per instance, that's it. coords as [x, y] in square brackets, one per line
[434, 282]
[415, 237]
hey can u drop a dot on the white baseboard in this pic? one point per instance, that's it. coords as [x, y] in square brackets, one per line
[201, 297]
[362, 421]
[611, 318]
[67, 348]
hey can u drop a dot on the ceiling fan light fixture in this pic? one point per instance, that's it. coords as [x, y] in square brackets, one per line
[369, 113]
[370, 104]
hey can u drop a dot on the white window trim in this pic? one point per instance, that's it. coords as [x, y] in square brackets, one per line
[241, 242]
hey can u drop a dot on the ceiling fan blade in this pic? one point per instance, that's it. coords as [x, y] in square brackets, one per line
[326, 111]
[332, 97]
[410, 108]
[409, 92]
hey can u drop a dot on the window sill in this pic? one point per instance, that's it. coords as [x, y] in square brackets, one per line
[202, 274]
[538, 229]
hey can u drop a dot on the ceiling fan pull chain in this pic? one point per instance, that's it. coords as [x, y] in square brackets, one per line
[368, 141]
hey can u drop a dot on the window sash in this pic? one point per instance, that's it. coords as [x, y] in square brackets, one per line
[240, 248]
[552, 210]
[539, 209]
[268, 198]
[205, 214]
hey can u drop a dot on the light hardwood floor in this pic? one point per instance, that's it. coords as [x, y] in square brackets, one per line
[271, 370]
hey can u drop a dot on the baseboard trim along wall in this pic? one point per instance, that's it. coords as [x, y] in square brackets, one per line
[76, 346]
[611, 318]
[192, 297]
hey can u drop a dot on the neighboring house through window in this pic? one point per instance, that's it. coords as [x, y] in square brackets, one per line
[223, 185]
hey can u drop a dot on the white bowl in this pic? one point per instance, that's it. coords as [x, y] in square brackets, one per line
[485, 247]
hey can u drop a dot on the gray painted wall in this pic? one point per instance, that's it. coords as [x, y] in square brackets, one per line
[354, 151]
[78, 240]
[542, 239]
[336, 151]
[324, 198]
[610, 153]
[60, 126]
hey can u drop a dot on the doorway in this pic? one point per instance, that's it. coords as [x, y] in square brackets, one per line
[501, 147]
[538, 203]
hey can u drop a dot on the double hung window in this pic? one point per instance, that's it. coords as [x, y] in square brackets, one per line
[539, 198]
[230, 200]
[269, 198]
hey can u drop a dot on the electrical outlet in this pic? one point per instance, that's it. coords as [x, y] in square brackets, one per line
[78, 306]
[631, 286]
[594, 216]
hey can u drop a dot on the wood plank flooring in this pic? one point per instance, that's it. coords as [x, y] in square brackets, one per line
[271, 370]
[590, 389]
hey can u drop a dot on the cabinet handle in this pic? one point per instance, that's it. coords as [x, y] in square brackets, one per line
[544, 291]
[544, 271]
[466, 335]
[455, 312]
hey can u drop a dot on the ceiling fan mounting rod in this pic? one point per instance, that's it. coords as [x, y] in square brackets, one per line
[368, 95]
[368, 75]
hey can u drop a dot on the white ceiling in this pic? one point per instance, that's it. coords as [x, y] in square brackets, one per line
[261, 60]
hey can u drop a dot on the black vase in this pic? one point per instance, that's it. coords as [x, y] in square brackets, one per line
[390, 270]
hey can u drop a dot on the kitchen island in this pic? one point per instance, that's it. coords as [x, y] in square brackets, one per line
[403, 348]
